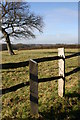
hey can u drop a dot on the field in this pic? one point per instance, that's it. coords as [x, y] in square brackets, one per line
[16, 105]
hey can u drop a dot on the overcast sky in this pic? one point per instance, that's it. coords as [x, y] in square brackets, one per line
[60, 23]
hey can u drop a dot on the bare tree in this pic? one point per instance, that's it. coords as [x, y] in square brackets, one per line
[18, 21]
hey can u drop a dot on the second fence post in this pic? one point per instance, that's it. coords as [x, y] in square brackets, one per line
[61, 81]
[33, 74]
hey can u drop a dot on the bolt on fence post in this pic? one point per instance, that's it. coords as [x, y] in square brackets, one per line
[61, 81]
[33, 74]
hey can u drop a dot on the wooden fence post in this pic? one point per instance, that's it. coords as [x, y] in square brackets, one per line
[33, 74]
[61, 81]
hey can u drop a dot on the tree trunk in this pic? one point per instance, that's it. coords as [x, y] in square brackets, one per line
[9, 47]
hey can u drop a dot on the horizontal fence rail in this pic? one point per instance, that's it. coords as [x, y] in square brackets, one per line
[14, 65]
[38, 60]
[33, 76]
[26, 63]
[16, 87]
[73, 55]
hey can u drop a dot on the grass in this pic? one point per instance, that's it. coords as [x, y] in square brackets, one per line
[16, 105]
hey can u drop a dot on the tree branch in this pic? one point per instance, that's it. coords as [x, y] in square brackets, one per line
[18, 21]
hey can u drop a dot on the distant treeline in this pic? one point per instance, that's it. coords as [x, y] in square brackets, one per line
[38, 46]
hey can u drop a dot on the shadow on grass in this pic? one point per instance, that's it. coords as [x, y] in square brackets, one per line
[14, 88]
[50, 115]
[72, 115]
[72, 71]
[72, 95]
[57, 112]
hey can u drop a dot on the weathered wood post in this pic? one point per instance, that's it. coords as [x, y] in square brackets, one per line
[61, 81]
[33, 74]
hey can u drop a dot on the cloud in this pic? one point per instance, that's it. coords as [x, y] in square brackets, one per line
[61, 26]
[57, 39]
[52, 0]
[49, 39]
[52, 39]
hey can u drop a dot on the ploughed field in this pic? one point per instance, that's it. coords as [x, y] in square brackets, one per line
[16, 105]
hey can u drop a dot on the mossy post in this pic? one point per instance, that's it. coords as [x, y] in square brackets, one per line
[61, 81]
[33, 74]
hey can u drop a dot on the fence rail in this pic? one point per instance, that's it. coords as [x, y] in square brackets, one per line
[33, 75]
[38, 60]
[16, 87]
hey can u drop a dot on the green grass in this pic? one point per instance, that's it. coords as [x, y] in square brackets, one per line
[16, 105]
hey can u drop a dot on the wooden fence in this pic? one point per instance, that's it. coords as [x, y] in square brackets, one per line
[33, 74]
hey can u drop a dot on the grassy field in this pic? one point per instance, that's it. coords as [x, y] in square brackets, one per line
[16, 105]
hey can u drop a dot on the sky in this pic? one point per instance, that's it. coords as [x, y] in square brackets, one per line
[60, 23]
